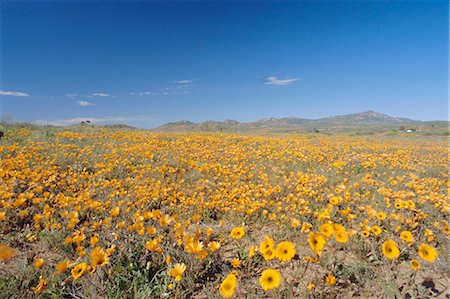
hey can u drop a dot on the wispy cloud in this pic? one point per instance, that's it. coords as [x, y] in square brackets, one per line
[71, 95]
[85, 103]
[184, 81]
[92, 120]
[143, 93]
[14, 93]
[174, 93]
[101, 94]
[272, 80]
[163, 92]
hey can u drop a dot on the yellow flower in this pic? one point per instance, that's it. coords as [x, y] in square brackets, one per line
[365, 233]
[407, 236]
[94, 240]
[177, 271]
[270, 279]
[390, 249]
[165, 220]
[268, 243]
[78, 271]
[6, 253]
[214, 245]
[236, 263]
[110, 250]
[341, 235]
[415, 265]
[38, 263]
[427, 252]
[311, 287]
[202, 254]
[335, 200]
[237, 232]
[285, 251]
[42, 285]
[99, 257]
[252, 251]
[330, 279]
[295, 222]
[38, 218]
[151, 230]
[62, 266]
[22, 213]
[115, 212]
[446, 229]
[376, 230]
[153, 245]
[269, 254]
[326, 229]
[410, 204]
[381, 216]
[228, 286]
[317, 242]
[194, 247]
[311, 259]
[305, 227]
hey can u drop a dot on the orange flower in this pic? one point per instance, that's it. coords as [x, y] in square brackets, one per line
[6, 253]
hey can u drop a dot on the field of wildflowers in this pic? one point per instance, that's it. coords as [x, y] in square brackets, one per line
[108, 213]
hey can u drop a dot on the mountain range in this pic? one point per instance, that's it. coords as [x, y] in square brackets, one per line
[361, 119]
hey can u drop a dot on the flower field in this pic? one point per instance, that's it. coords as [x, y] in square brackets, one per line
[109, 213]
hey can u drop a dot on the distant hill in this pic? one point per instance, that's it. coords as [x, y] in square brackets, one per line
[365, 118]
[336, 122]
[280, 122]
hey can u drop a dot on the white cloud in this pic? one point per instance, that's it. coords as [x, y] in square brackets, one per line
[184, 81]
[85, 103]
[144, 93]
[101, 94]
[92, 120]
[14, 93]
[173, 93]
[71, 95]
[183, 87]
[272, 80]
[164, 92]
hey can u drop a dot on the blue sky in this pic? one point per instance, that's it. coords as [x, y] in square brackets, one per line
[148, 63]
